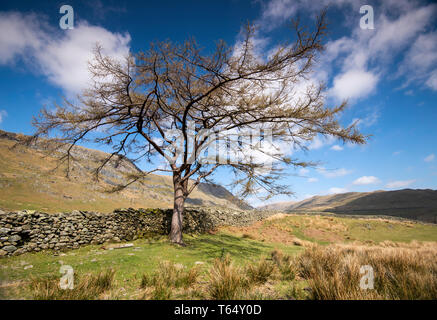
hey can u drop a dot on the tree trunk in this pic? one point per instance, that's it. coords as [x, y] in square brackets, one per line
[178, 212]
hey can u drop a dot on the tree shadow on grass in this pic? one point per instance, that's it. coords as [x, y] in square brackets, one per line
[220, 244]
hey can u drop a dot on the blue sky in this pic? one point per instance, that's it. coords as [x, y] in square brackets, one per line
[388, 74]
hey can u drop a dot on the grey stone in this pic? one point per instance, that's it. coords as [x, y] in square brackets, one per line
[4, 231]
[14, 238]
[10, 249]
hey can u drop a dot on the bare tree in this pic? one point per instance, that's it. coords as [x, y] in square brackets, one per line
[134, 105]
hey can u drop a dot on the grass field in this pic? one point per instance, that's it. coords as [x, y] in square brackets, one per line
[278, 258]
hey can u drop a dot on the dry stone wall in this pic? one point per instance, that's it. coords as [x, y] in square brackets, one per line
[31, 231]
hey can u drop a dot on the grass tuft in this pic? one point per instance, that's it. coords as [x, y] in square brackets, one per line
[260, 272]
[227, 282]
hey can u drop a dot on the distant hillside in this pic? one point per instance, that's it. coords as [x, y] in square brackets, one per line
[28, 181]
[407, 203]
[278, 206]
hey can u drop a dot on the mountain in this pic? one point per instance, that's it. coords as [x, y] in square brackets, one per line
[408, 203]
[31, 179]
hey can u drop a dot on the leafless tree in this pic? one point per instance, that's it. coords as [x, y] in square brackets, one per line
[133, 105]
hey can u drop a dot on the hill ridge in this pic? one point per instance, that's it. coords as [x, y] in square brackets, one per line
[418, 204]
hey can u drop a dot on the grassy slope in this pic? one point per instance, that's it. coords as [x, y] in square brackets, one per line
[323, 230]
[244, 244]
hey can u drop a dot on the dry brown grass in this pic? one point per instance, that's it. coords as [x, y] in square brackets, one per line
[227, 281]
[400, 271]
[167, 277]
[285, 265]
[259, 273]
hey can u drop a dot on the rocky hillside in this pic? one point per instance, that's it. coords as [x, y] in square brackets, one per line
[407, 203]
[30, 179]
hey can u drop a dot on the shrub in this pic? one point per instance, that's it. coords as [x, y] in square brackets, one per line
[161, 292]
[260, 272]
[227, 282]
[285, 264]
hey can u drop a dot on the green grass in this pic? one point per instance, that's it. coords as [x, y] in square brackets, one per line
[144, 258]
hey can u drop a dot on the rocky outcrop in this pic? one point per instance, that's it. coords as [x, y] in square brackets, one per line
[31, 231]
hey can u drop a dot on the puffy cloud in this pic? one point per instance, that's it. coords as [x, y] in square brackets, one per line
[61, 55]
[365, 180]
[354, 84]
[334, 173]
[430, 158]
[399, 184]
[65, 62]
[19, 34]
[311, 180]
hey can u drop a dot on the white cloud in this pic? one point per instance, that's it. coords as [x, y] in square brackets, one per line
[3, 115]
[365, 56]
[430, 158]
[334, 173]
[337, 190]
[65, 62]
[420, 62]
[396, 153]
[354, 84]
[19, 34]
[365, 180]
[311, 180]
[336, 147]
[62, 56]
[399, 184]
